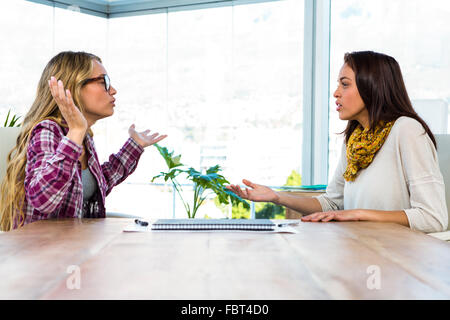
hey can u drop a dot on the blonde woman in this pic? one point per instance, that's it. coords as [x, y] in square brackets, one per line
[54, 171]
[388, 170]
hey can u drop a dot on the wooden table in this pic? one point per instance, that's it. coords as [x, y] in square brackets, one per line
[323, 261]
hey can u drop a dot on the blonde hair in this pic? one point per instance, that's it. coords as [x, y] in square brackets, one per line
[72, 68]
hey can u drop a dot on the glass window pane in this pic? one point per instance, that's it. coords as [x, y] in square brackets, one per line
[266, 131]
[225, 83]
[75, 31]
[235, 88]
[199, 76]
[26, 35]
[137, 65]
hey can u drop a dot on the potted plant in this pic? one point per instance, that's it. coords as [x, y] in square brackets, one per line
[210, 181]
[8, 133]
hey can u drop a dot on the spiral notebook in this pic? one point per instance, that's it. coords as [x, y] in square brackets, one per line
[214, 224]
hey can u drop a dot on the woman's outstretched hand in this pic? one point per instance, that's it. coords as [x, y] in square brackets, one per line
[76, 121]
[144, 138]
[258, 193]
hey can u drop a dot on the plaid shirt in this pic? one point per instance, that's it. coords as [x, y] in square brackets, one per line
[53, 185]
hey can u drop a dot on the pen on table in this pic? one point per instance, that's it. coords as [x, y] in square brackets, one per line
[288, 224]
[141, 223]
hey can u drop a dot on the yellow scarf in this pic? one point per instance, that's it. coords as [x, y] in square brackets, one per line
[362, 147]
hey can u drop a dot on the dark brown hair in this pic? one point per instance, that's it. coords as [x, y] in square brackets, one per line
[380, 84]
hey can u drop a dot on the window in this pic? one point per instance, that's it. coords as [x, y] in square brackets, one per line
[137, 65]
[226, 85]
[26, 35]
[75, 31]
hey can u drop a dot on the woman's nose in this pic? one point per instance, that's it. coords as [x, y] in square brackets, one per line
[112, 91]
[336, 93]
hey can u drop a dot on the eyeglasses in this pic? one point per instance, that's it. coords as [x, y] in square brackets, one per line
[105, 79]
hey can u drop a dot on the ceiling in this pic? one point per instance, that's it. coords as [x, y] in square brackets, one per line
[120, 8]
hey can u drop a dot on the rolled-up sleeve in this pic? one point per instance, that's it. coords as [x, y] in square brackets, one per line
[428, 212]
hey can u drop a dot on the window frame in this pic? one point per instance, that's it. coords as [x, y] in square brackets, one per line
[316, 88]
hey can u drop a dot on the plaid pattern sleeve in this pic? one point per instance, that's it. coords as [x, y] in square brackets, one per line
[122, 164]
[50, 171]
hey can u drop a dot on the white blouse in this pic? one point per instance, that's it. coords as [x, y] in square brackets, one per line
[404, 175]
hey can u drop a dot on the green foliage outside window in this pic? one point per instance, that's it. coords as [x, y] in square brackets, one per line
[294, 179]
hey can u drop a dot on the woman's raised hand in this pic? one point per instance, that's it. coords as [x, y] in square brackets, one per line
[144, 138]
[76, 121]
[258, 193]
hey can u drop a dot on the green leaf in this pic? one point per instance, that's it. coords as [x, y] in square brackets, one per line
[171, 161]
[172, 174]
[235, 199]
[13, 121]
[7, 117]
[213, 169]
[158, 176]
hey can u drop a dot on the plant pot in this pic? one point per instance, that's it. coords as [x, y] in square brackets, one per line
[8, 137]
